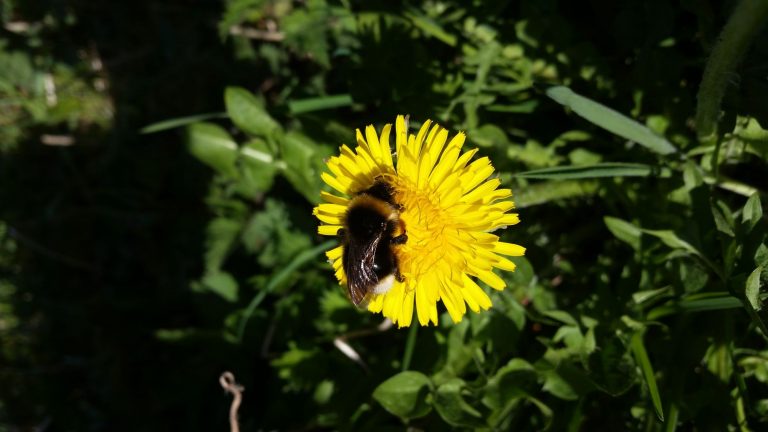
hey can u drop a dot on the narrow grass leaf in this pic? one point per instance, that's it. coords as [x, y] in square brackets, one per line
[696, 303]
[301, 106]
[545, 192]
[278, 280]
[610, 120]
[179, 121]
[430, 27]
[641, 357]
[606, 169]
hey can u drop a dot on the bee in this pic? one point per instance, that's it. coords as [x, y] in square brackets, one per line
[372, 229]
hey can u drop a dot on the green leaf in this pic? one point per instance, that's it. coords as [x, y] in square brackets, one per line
[696, 303]
[279, 278]
[257, 168]
[753, 212]
[546, 192]
[405, 394]
[223, 284]
[450, 405]
[752, 290]
[179, 121]
[610, 120]
[515, 380]
[248, 113]
[221, 235]
[641, 357]
[610, 368]
[430, 27]
[213, 146]
[319, 103]
[624, 231]
[605, 169]
[304, 162]
[671, 239]
[721, 221]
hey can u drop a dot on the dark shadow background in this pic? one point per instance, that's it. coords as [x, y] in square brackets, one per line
[109, 233]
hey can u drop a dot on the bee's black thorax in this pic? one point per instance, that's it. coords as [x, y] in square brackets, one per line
[365, 221]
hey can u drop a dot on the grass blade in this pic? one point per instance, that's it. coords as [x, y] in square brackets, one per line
[696, 303]
[278, 279]
[610, 120]
[179, 121]
[641, 357]
[544, 192]
[607, 169]
[319, 103]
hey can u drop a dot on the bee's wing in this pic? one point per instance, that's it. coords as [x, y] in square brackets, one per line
[358, 266]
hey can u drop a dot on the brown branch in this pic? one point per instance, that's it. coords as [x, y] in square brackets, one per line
[228, 383]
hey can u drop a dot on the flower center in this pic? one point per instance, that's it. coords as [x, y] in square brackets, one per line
[428, 228]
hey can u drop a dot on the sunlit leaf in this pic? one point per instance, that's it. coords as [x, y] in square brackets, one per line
[610, 120]
[405, 394]
[641, 357]
[606, 169]
[248, 113]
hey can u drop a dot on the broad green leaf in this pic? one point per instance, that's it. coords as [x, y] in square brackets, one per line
[488, 135]
[605, 169]
[753, 211]
[563, 317]
[671, 239]
[301, 106]
[641, 357]
[516, 379]
[450, 404]
[624, 231]
[721, 215]
[405, 394]
[752, 290]
[178, 122]
[213, 146]
[257, 168]
[248, 113]
[223, 284]
[610, 120]
[221, 235]
[610, 369]
[304, 162]
[559, 387]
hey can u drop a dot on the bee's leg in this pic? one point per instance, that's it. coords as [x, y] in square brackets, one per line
[399, 276]
[401, 239]
[341, 233]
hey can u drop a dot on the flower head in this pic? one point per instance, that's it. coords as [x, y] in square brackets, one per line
[450, 207]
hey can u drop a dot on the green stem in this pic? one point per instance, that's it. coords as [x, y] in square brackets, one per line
[410, 344]
[734, 40]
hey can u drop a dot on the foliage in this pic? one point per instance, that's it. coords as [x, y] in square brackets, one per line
[179, 242]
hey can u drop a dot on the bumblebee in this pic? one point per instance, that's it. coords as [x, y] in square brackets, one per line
[372, 229]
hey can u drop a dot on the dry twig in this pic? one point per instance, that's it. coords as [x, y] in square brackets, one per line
[228, 383]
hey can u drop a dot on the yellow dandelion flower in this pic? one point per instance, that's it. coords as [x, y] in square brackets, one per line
[447, 204]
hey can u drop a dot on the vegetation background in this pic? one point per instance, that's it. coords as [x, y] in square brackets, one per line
[140, 258]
